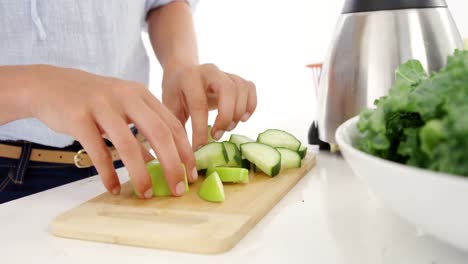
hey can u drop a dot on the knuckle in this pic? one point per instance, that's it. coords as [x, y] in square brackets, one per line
[139, 87]
[81, 116]
[176, 125]
[128, 147]
[224, 117]
[199, 108]
[210, 66]
[238, 115]
[162, 133]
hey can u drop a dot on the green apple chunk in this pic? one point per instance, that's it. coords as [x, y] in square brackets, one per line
[234, 175]
[158, 179]
[212, 189]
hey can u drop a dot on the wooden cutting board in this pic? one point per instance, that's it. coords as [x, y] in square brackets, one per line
[185, 223]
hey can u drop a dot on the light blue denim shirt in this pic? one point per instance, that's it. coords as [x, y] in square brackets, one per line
[98, 36]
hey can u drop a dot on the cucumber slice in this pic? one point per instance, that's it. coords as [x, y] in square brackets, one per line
[231, 174]
[234, 155]
[212, 189]
[239, 139]
[211, 155]
[210, 138]
[160, 187]
[302, 151]
[279, 139]
[289, 159]
[265, 157]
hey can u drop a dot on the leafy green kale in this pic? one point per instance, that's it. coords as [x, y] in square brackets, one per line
[423, 121]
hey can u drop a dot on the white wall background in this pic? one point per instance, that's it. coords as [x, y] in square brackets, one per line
[270, 42]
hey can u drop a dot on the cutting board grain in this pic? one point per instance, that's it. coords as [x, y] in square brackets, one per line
[185, 223]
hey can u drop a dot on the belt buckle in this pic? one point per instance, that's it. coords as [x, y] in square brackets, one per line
[77, 159]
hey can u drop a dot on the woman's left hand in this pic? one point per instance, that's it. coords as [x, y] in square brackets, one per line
[194, 90]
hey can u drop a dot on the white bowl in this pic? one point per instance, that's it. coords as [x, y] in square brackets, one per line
[435, 202]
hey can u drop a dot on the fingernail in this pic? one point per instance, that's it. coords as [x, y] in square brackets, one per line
[116, 190]
[231, 126]
[245, 117]
[148, 194]
[219, 134]
[180, 188]
[194, 174]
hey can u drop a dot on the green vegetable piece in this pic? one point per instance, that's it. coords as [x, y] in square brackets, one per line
[302, 151]
[233, 153]
[211, 155]
[210, 138]
[289, 159]
[423, 121]
[160, 187]
[234, 175]
[212, 189]
[279, 139]
[431, 135]
[239, 139]
[265, 157]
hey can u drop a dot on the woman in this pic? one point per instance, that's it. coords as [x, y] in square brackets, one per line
[77, 70]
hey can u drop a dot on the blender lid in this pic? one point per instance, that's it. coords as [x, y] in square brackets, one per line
[354, 6]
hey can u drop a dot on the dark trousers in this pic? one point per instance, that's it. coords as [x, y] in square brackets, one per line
[21, 177]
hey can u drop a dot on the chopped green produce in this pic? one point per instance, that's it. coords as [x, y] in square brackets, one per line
[302, 151]
[160, 187]
[211, 155]
[265, 157]
[423, 121]
[210, 138]
[230, 174]
[289, 159]
[212, 189]
[279, 139]
[234, 155]
[239, 139]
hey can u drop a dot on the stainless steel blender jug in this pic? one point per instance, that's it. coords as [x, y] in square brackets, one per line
[372, 38]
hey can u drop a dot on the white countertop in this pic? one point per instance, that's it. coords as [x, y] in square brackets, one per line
[329, 217]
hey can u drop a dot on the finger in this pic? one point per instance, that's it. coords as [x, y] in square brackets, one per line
[219, 83]
[251, 101]
[198, 108]
[242, 97]
[179, 135]
[90, 138]
[174, 103]
[129, 150]
[158, 133]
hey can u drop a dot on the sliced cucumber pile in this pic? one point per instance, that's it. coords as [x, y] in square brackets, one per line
[230, 161]
[265, 157]
[279, 139]
[289, 159]
[213, 154]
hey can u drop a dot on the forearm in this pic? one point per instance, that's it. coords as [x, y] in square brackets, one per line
[172, 35]
[15, 83]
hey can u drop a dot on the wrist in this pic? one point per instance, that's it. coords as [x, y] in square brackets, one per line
[177, 64]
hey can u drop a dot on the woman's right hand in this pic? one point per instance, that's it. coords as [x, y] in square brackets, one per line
[87, 106]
